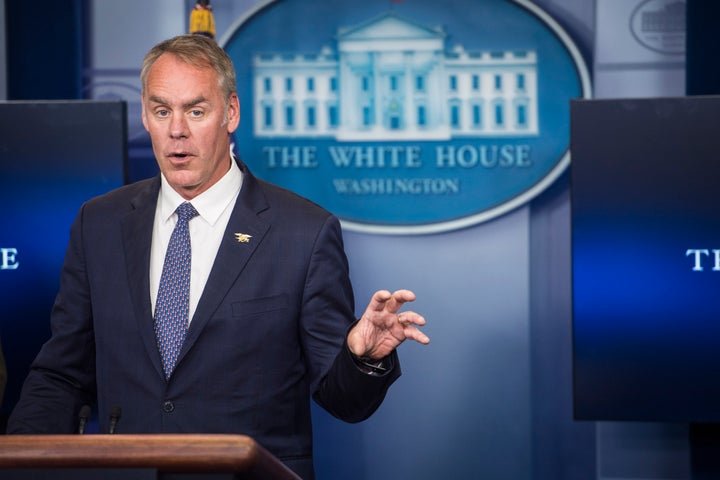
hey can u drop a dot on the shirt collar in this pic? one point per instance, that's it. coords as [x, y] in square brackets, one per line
[211, 203]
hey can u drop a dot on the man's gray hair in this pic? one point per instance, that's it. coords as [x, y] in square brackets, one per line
[196, 50]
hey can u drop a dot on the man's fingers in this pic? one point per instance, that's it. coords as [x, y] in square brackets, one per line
[397, 299]
[402, 296]
[408, 317]
[384, 300]
[410, 321]
[414, 333]
[379, 300]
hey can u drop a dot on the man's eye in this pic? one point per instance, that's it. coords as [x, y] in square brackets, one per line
[196, 113]
[162, 113]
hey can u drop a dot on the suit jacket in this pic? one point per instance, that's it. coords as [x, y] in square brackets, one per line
[268, 332]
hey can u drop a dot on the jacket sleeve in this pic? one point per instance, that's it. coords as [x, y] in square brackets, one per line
[338, 383]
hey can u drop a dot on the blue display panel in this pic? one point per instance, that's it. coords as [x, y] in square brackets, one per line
[646, 259]
[53, 157]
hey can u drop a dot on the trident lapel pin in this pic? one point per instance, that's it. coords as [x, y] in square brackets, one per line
[243, 237]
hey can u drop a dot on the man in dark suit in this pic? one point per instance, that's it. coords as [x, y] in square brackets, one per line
[269, 303]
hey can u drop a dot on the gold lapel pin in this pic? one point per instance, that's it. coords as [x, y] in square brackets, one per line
[243, 237]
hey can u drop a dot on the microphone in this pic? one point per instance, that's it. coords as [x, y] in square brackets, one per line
[84, 416]
[115, 413]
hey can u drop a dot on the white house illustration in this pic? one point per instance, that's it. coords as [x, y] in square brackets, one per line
[393, 79]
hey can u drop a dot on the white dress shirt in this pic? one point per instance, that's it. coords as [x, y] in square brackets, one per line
[214, 207]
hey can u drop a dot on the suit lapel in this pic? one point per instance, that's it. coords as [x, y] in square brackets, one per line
[232, 255]
[137, 229]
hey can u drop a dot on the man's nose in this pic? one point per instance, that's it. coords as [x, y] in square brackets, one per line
[178, 127]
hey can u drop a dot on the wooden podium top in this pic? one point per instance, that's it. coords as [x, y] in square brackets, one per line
[167, 453]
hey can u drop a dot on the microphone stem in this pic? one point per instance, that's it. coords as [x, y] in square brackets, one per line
[114, 418]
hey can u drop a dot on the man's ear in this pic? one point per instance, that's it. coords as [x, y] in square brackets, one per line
[233, 113]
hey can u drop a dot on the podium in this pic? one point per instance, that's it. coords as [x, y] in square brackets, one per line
[138, 457]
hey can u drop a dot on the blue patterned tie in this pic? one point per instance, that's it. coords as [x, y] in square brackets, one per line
[173, 300]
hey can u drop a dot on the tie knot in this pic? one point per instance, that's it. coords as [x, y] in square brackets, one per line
[186, 211]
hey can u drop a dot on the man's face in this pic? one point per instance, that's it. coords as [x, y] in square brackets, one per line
[183, 109]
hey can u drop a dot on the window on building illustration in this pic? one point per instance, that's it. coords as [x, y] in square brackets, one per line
[290, 116]
[477, 116]
[476, 82]
[333, 117]
[267, 84]
[453, 83]
[522, 119]
[395, 121]
[311, 120]
[367, 118]
[498, 82]
[365, 83]
[499, 114]
[268, 116]
[311, 84]
[333, 84]
[421, 116]
[289, 84]
[420, 83]
[455, 115]
[521, 81]
[393, 83]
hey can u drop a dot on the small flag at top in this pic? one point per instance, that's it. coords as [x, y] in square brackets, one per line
[202, 21]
